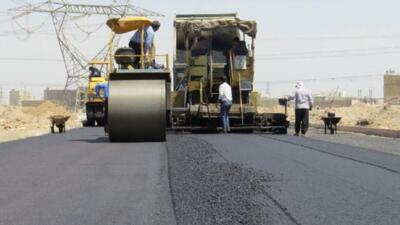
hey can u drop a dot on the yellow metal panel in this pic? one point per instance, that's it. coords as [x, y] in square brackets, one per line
[127, 24]
[198, 61]
[198, 71]
[98, 79]
[194, 86]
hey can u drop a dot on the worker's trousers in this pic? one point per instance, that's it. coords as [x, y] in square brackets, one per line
[137, 48]
[225, 107]
[301, 123]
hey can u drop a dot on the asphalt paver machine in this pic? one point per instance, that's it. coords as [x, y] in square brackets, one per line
[208, 48]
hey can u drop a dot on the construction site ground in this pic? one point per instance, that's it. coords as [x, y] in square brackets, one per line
[379, 116]
[21, 122]
[80, 178]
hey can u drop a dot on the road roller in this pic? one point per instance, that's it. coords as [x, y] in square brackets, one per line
[137, 103]
[210, 48]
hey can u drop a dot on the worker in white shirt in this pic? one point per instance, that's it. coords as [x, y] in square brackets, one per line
[225, 100]
[303, 104]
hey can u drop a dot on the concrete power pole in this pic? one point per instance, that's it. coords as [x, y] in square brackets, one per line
[1, 95]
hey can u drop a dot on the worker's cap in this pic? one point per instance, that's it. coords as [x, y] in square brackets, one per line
[299, 84]
[155, 24]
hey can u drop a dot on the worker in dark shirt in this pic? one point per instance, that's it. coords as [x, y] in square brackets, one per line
[94, 72]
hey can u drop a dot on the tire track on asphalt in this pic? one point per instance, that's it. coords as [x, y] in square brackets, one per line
[332, 154]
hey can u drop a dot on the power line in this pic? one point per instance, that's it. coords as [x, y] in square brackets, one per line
[323, 78]
[30, 59]
[29, 84]
[328, 56]
[325, 38]
[334, 51]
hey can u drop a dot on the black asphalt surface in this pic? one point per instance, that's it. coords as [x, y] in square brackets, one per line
[80, 178]
[317, 182]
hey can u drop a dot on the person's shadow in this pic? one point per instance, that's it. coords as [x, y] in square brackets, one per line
[97, 140]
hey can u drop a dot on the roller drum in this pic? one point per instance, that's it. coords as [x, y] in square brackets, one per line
[137, 110]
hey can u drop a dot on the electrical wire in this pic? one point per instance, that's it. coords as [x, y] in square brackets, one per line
[324, 78]
[305, 57]
[334, 51]
[30, 59]
[327, 38]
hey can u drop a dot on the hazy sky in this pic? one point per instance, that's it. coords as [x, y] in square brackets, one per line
[297, 40]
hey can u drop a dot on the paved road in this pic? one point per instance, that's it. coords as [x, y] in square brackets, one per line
[316, 182]
[79, 178]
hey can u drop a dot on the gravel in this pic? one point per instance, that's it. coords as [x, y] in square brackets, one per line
[208, 189]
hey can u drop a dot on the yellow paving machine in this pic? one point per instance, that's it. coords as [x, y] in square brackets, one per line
[94, 103]
[208, 48]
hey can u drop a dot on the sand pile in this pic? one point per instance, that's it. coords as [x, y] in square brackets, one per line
[19, 122]
[378, 115]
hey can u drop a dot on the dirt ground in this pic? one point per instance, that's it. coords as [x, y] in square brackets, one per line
[22, 122]
[378, 115]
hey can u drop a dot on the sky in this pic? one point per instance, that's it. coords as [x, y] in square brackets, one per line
[318, 41]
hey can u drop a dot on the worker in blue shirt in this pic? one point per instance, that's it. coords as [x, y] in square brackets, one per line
[104, 87]
[136, 40]
[98, 88]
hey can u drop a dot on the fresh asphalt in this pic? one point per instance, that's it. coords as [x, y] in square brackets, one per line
[316, 182]
[80, 178]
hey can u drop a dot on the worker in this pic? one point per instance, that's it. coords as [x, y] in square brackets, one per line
[94, 72]
[104, 87]
[303, 104]
[225, 100]
[136, 40]
[98, 88]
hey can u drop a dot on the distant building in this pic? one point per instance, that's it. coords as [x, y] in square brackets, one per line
[391, 89]
[16, 96]
[61, 97]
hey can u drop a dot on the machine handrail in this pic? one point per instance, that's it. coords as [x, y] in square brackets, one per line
[148, 56]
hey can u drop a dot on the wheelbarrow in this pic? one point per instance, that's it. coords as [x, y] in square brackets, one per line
[59, 122]
[331, 122]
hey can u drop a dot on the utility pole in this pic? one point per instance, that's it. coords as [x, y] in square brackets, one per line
[1, 95]
[370, 92]
[61, 12]
[267, 90]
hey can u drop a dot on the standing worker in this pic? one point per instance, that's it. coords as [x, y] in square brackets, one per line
[225, 100]
[303, 104]
[136, 41]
